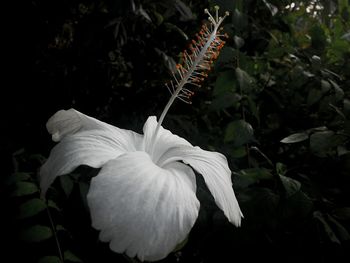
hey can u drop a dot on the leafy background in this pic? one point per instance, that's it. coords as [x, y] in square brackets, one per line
[276, 104]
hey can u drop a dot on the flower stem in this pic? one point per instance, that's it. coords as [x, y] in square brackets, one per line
[54, 233]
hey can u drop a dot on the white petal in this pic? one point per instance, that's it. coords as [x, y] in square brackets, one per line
[214, 168]
[164, 140]
[142, 209]
[89, 147]
[67, 122]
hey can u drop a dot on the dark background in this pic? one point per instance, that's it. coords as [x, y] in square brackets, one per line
[284, 71]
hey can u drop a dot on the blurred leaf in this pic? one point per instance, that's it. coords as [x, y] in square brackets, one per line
[346, 108]
[225, 82]
[226, 5]
[239, 20]
[168, 61]
[226, 56]
[36, 233]
[17, 177]
[31, 208]
[273, 9]
[290, 185]
[256, 173]
[225, 100]
[184, 10]
[60, 228]
[281, 168]
[175, 28]
[346, 36]
[239, 152]
[25, 188]
[339, 93]
[52, 204]
[326, 227]
[239, 132]
[239, 42]
[318, 37]
[140, 11]
[323, 143]
[261, 206]
[159, 17]
[342, 213]
[49, 259]
[295, 137]
[297, 207]
[244, 79]
[314, 96]
[69, 256]
[340, 231]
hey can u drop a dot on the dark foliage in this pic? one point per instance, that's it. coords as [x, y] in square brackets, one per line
[277, 105]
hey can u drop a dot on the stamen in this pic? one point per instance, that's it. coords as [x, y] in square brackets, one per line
[195, 63]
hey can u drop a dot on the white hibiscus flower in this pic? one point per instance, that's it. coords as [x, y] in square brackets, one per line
[143, 199]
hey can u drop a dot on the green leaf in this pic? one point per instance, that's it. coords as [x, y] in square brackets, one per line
[314, 96]
[318, 37]
[239, 132]
[225, 100]
[239, 42]
[17, 177]
[323, 143]
[244, 79]
[290, 185]
[338, 91]
[256, 173]
[239, 20]
[281, 168]
[295, 137]
[52, 204]
[326, 227]
[31, 208]
[36, 233]
[158, 17]
[49, 259]
[172, 27]
[185, 12]
[225, 82]
[69, 256]
[239, 152]
[341, 232]
[247, 177]
[25, 188]
[227, 55]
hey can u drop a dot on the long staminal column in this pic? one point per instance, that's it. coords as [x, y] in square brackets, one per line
[196, 63]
